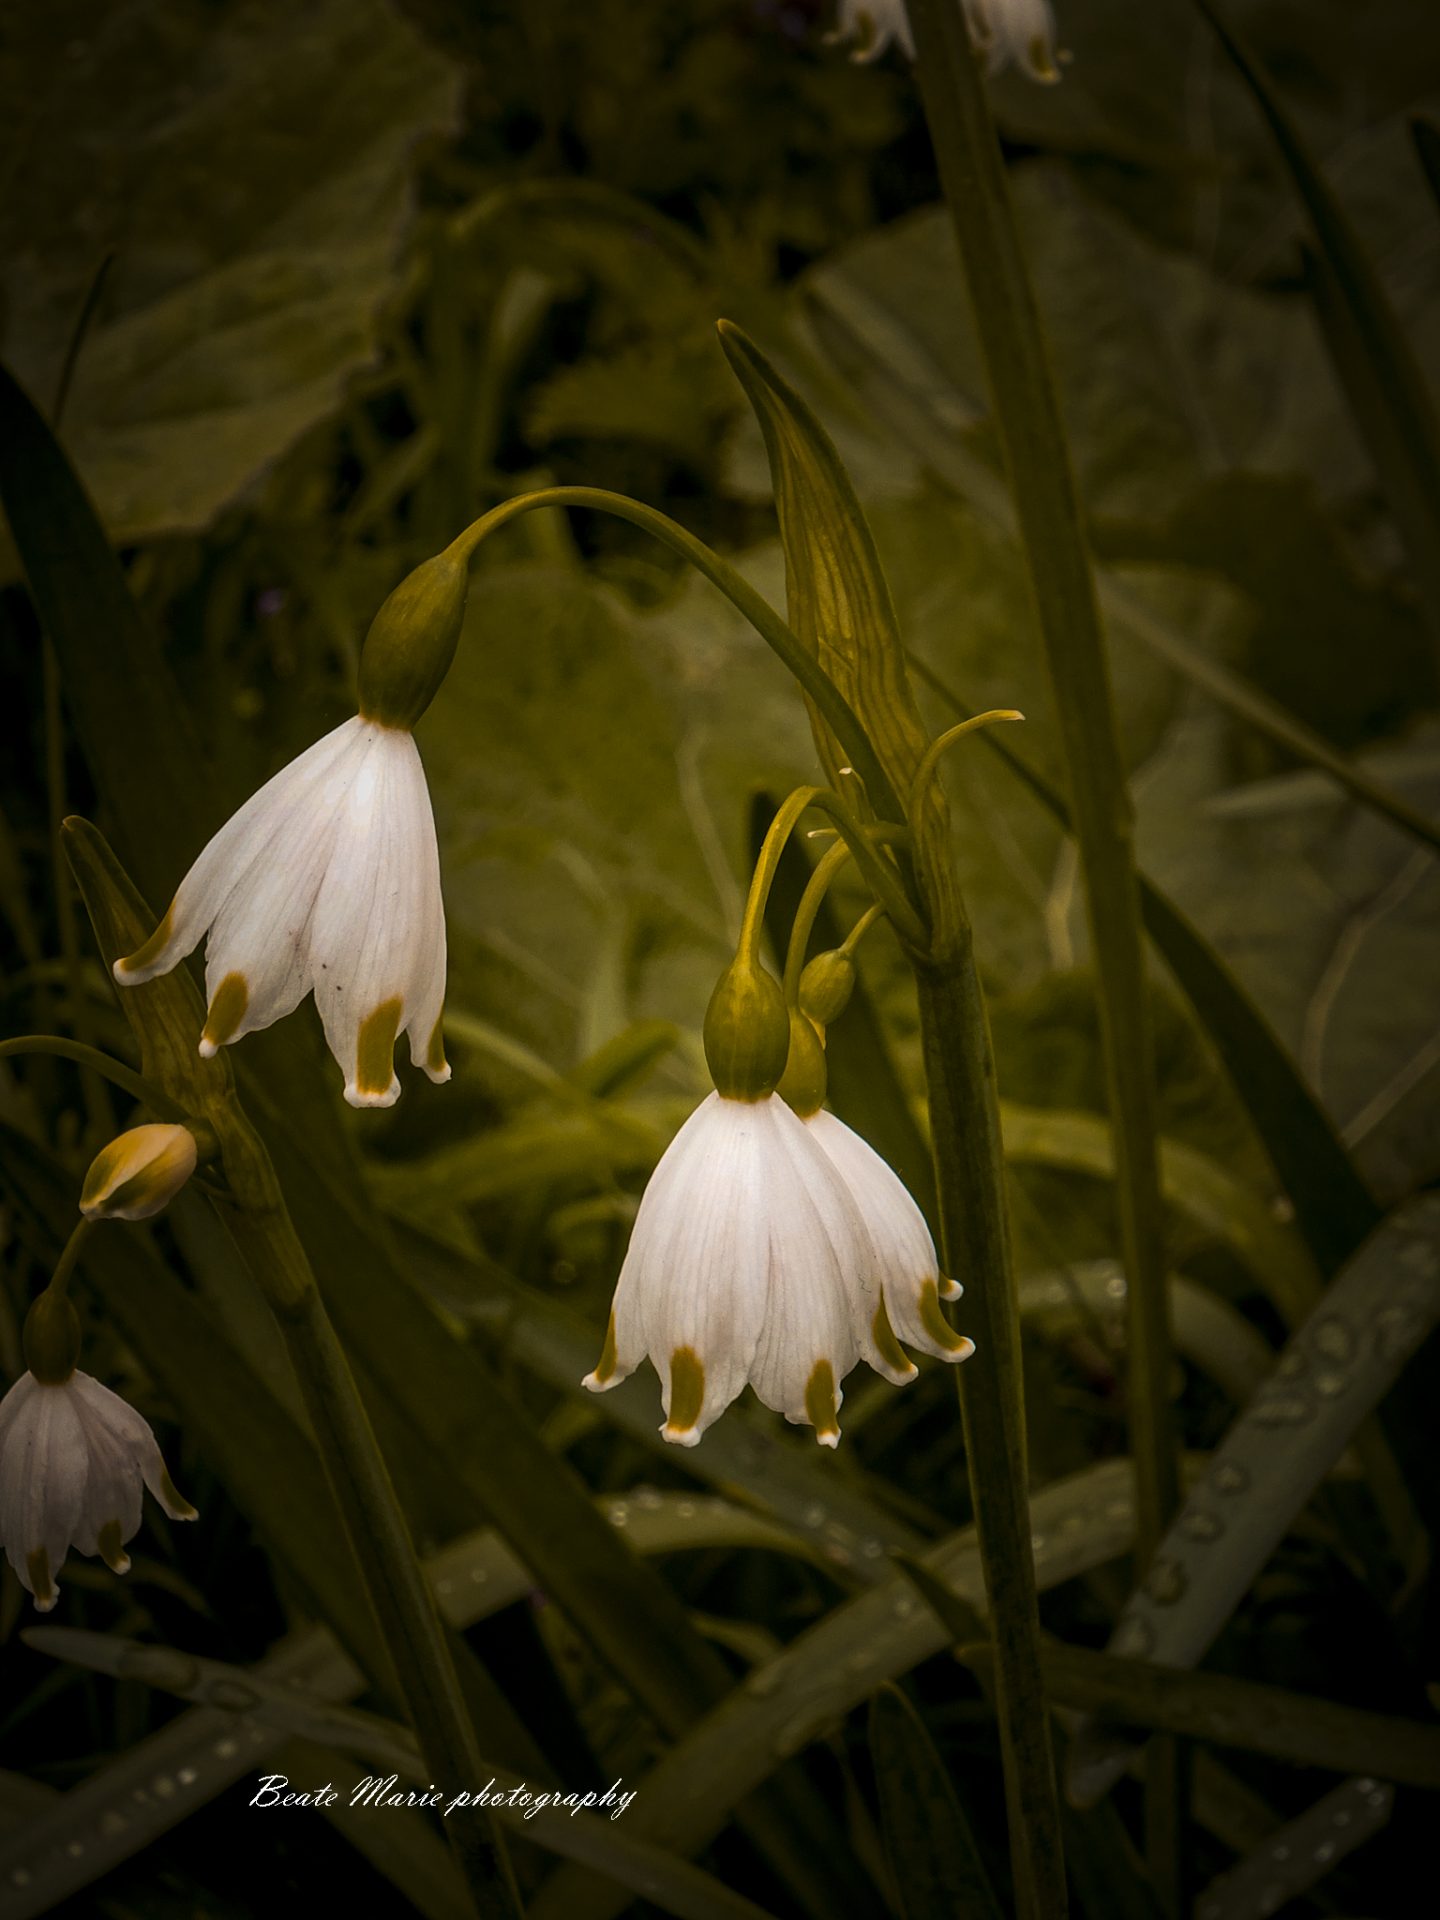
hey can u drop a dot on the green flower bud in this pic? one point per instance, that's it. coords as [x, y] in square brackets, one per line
[52, 1339]
[804, 1082]
[139, 1173]
[826, 986]
[412, 641]
[747, 1032]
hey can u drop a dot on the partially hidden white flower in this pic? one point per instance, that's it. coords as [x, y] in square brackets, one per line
[751, 1261]
[138, 1173]
[327, 881]
[74, 1458]
[873, 25]
[1018, 32]
[909, 1268]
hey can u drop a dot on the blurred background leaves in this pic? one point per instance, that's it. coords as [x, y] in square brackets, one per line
[372, 270]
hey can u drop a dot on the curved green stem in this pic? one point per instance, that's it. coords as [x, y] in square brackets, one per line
[767, 864]
[831, 703]
[113, 1070]
[943, 742]
[69, 1257]
[801, 926]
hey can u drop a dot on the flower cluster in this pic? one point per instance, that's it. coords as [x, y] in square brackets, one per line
[1010, 32]
[772, 1250]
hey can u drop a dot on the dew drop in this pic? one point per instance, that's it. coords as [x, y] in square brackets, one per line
[1334, 1339]
[478, 1576]
[649, 1498]
[1228, 1477]
[873, 1549]
[74, 1848]
[1284, 1410]
[1395, 1332]
[1269, 1898]
[1166, 1582]
[686, 1509]
[1325, 1851]
[112, 1822]
[187, 1776]
[20, 1877]
[1199, 1523]
[1290, 1363]
[1134, 1638]
[1330, 1385]
[815, 1515]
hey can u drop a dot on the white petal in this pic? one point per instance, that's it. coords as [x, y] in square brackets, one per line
[259, 831]
[821, 1268]
[122, 1440]
[43, 1468]
[908, 1265]
[873, 24]
[378, 919]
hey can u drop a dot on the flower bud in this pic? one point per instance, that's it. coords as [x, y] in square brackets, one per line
[52, 1339]
[412, 641]
[747, 1032]
[826, 986]
[138, 1173]
[804, 1082]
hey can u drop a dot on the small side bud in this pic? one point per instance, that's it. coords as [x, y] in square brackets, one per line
[139, 1173]
[747, 1032]
[412, 641]
[52, 1339]
[826, 986]
[805, 1081]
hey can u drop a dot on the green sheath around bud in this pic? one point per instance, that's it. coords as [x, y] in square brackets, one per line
[52, 1339]
[805, 1081]
[826, 986]
[412, 641]
[747, 1032]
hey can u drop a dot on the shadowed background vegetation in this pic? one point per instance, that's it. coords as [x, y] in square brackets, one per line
[357, 273]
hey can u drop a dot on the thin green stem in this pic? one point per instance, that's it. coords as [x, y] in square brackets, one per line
[360, 1483]
[1027, 417]
[767, 865]
[975, 1242]
[816, 887]
[65, 1266]
[832, 704]
[114, 1070]
[943, 742]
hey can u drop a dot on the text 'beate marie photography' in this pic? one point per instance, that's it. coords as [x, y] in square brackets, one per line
[275, 1790]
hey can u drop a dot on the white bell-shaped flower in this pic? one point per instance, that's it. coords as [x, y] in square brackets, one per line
[909, 1268]
[749, 1262]
[327, 881]
[74, 1458]
[1018, 32]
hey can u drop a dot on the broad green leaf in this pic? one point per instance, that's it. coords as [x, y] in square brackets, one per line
[1275, 1721]
[1079, 1523]
[1330, 1378]
[1192, 1182]
[1292, 1859]
[260, 1702]
[256, 229]
[934, 1862]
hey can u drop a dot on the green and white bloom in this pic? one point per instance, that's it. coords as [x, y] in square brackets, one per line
[327, 881]
[750, 1262]
[138, 1173]
[908, 1266]
[74, 1460]
[1010, 32]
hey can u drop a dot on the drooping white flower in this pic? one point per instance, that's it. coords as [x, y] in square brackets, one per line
[749, 1261]
[1018, 32]
[138, 1173]
[74, 1458]
[873, 25]
[909, 1268]
[327, 881]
